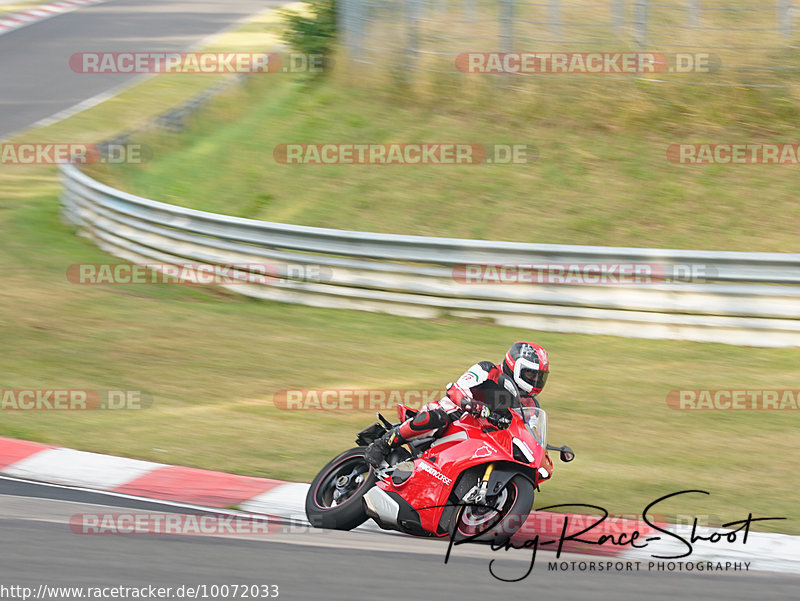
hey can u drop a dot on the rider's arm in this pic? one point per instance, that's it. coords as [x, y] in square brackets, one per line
[473, 377]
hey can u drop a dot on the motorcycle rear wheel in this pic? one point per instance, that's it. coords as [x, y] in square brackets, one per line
[334, 497]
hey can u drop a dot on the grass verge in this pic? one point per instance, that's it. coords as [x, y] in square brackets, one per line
[599, 174]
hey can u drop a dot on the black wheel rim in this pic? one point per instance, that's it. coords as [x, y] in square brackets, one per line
[341, 482]
[482, 519]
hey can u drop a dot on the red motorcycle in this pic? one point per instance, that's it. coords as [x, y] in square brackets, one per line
[476, 481]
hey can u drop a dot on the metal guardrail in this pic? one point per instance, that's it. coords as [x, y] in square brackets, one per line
[746, 298]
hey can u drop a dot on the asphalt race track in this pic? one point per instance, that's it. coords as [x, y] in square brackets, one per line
[37, 546]
[35, 77]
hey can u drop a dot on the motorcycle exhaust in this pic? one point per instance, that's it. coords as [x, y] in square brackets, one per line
[381, 508]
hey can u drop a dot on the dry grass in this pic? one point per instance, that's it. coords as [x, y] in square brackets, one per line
[601, 177]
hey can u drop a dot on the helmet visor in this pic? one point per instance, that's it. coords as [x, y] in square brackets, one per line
[535, 377]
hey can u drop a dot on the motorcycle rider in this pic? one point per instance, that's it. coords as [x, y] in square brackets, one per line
[484, 387]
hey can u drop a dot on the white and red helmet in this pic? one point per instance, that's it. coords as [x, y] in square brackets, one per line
[527, 363]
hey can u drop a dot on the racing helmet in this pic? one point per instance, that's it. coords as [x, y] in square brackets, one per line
[527, 363]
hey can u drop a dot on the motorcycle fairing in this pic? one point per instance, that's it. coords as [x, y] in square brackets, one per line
[463, 445]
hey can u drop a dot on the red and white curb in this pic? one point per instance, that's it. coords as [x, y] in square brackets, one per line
[42, 12]
[120, 475]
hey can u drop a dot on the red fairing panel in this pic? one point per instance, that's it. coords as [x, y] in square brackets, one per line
[428, 489]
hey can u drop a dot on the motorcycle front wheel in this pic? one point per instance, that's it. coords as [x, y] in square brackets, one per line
[499, 520]
[334, 498]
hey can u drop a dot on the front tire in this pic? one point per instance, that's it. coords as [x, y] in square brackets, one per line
[499, 523]
[334, 498]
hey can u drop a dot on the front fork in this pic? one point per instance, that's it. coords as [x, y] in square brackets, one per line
[478, 494]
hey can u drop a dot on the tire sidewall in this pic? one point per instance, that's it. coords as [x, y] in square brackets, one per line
[347, 515]
[513, 519]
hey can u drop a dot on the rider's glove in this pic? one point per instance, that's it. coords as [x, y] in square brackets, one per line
[457, 394]
[475, 408]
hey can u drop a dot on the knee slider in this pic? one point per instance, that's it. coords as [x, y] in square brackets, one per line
[429, 420]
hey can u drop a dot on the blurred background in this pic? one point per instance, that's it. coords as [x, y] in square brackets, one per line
[212, 359]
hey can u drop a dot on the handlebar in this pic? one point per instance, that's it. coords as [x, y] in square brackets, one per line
[498, 420]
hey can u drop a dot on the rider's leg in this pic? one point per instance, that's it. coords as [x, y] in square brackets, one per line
[425, 423]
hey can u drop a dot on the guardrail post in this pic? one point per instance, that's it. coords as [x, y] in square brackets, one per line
[785, 17]
[468, 10]
[342, 26]
[693, 13]
[357, 17]
[412, 33]
[618, 18]
[640, 14]
[554, 16]
[506, 25]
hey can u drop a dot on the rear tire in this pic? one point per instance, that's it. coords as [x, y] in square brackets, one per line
[343, 511]
[497, 525]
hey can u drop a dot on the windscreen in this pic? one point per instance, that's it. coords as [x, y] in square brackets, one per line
[535, 421]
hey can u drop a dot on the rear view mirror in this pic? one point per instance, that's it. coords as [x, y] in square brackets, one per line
[565, 452]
